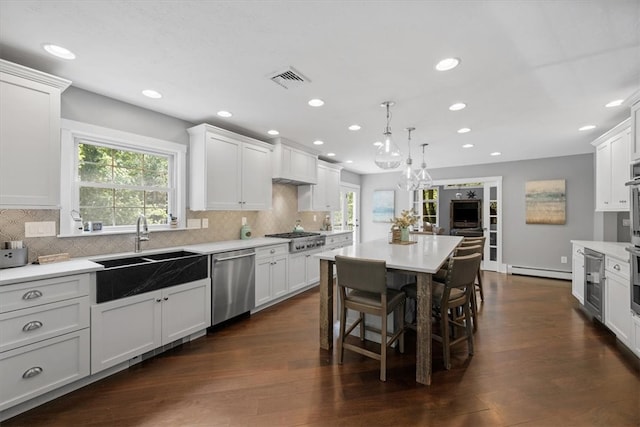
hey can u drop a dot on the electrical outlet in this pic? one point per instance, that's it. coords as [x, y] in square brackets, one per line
[205, 222]
[314, 218]
[193, 223]
[563, 259]
[40, 229]
[244, 220]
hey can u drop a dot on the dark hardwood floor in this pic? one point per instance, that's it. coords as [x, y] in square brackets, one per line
[538, 362]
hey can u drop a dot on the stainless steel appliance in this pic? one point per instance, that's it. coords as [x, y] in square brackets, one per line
[634, 252]
[301, 241]
[594, 283]
[634, 249]
[233, 284]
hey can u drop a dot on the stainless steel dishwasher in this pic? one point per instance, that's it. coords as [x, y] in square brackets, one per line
[233, 284]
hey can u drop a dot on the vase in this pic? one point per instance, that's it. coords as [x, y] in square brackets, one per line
[404, 234]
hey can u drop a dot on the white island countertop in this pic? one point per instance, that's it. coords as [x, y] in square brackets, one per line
[614, 249]
[426, 255]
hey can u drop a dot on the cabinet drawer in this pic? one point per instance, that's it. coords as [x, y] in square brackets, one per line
[32, 370]
[617, 266]
[38, 292]
[272, 251]
[30, 325]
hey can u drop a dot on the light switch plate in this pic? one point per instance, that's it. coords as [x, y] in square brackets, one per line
[205, 222]
[193, 223]
[40, 229]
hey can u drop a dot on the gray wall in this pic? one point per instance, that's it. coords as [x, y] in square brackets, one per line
[88, 107]
[530, 245]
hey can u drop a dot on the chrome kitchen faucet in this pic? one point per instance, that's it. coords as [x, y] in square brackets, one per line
[141, 236]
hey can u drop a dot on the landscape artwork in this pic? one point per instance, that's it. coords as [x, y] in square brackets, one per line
[546, 202]
[383, 205]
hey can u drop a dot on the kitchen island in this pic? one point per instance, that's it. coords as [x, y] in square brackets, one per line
[422, 258]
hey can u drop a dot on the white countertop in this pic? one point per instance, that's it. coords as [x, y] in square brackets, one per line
[45, 271]
[427, 255]
[614, 249]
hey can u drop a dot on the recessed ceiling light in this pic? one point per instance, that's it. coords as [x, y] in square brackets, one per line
[496, 153]
[59, 51]
[464, 130]
[616, 103]
[447, 64]
[354, 127]
[316, 102]
[150, 93]
[331, 154]
[587, 127]
[349, 161]
[318, 142]
[467, 146]
[224, 114]
[273, 132]
[457, 106]
[377, 144]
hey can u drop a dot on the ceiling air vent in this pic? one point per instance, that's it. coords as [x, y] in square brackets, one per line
[289, 78]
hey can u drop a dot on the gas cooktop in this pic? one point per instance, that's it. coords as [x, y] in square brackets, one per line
[301, 240]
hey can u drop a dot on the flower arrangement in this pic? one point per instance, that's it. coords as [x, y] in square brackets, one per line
[407, 218]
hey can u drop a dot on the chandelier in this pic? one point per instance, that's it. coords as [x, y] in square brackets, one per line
[408, 180]
[424, 180]
[388, 155]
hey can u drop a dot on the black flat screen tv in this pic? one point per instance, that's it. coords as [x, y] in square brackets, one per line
[465, 213]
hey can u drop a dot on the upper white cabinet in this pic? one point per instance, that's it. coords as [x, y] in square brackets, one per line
[325, 195]
[635, 125]
[293, 165]
[29, 137]
[228, 171]
[613, 168]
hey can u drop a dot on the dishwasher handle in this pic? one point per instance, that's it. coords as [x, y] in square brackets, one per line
[233, 257]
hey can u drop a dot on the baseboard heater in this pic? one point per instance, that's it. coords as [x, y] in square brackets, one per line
[539, 272]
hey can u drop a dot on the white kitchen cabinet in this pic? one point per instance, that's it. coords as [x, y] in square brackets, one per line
[128, 327]
[29, 137]
[292, 164]
[635, 126]
[313, 266]
[44, 336]
[297, 271]
[325, 195]
[228, 171]
[577, 276]
[271, 273]
[635, 334]
[617, 299]
[613, 168]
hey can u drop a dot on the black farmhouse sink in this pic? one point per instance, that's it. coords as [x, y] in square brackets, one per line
[125, 277]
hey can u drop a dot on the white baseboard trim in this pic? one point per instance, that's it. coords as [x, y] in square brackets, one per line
[538, 272]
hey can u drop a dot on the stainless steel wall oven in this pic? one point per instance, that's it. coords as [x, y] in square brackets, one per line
[634, 249]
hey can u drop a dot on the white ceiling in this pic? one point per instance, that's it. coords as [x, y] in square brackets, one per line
[532, 72]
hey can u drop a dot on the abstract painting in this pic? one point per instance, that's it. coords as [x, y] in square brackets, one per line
[383, 205]
[546, 202]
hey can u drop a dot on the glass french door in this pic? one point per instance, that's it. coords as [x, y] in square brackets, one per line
[348, 217]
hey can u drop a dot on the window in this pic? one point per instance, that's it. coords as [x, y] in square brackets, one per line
[425, 204]
[113, 177]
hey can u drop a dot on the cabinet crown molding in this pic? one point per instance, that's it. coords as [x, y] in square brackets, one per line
[625, 124]
[34, 75]
[224, 133]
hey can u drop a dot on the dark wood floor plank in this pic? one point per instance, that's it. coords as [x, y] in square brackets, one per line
[538, 362]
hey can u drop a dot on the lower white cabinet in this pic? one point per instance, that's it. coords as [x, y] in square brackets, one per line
[128, 327]
[271, 273]
[297, 271]
[617, 299]
[29, 371]
[577, 276]
[313, 266]
[635, 334]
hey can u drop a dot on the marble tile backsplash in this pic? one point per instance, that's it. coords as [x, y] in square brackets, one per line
[223, 225]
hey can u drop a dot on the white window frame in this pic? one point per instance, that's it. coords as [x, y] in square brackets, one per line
[73, 132]
[417, 206]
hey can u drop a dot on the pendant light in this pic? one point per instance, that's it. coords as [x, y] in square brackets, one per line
[408, 180]
[422, 175]
[388, 155]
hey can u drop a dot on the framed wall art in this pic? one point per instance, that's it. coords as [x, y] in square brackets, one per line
[546, 202]
[384, 202]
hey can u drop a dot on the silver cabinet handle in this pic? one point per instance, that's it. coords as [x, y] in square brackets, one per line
[31, 326]
[165, 298]
[616, 267]
[580, 251]
[158, 299]
[32, 295]
[272, 251]
[32, 372]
